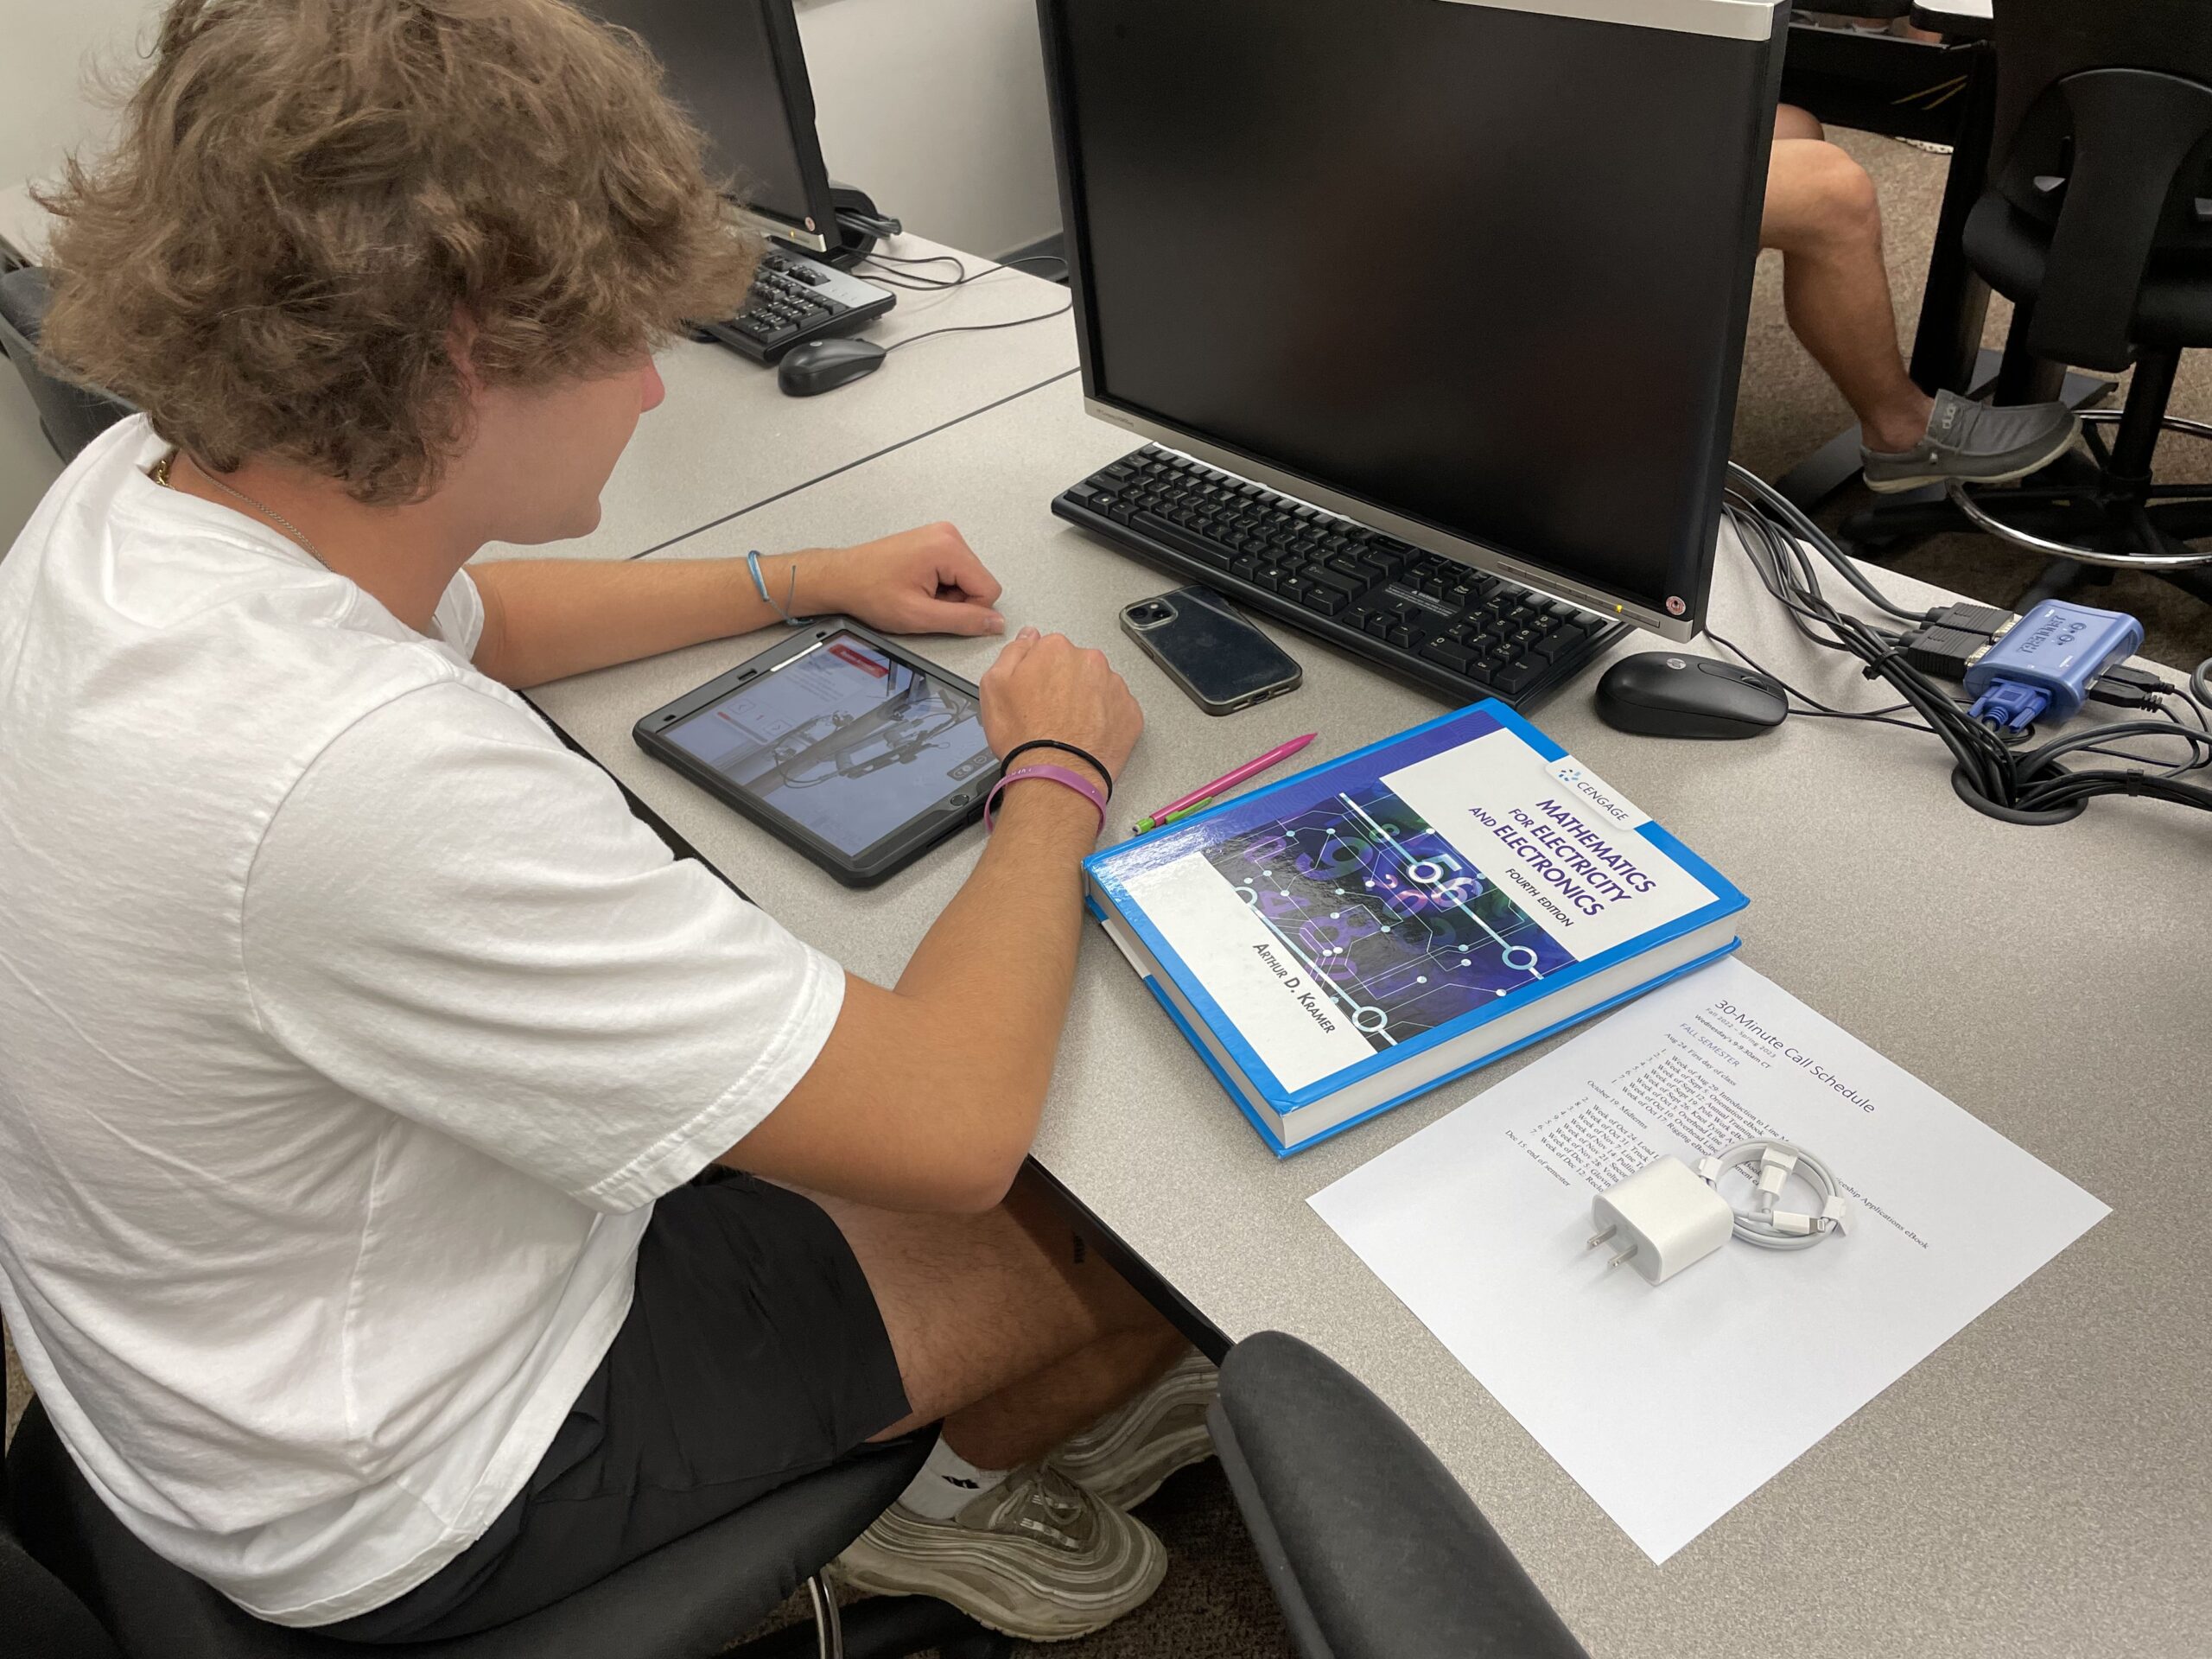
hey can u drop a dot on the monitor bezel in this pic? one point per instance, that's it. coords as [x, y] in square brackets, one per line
[1691, 576]
[817, 231]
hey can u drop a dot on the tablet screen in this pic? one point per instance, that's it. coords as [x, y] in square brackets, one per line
[842, 739]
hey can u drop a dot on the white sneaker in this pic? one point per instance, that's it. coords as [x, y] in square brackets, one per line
[1124, 1456]
[1035, 1557]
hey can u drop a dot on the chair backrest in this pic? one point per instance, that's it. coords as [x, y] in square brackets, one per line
[1372, 1547]
[2104, 138]
[71, 415]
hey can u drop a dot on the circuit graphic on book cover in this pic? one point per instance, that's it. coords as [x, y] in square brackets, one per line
[1390, 920]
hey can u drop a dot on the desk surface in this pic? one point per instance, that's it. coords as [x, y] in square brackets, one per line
[1965, 19]
[726, 439]
[2034, 1486]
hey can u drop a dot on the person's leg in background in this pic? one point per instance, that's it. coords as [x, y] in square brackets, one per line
[1823, 216]
[1018, 1337]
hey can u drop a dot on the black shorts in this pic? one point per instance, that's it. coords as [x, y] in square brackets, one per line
[752, 1354]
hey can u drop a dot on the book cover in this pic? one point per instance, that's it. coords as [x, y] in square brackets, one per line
[1372, 922]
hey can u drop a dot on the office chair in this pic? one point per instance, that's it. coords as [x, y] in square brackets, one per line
[78, 1585]
[70, 415]
[2097, 224]
[1372, 1550]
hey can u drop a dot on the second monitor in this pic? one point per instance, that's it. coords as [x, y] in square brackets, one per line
[1470, 273]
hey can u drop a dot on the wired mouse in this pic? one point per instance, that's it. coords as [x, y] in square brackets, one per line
[1670, 694]
[823, 366]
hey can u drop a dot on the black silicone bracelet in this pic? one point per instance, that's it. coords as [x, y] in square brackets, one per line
[1083, 755]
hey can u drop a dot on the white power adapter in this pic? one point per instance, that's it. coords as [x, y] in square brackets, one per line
[1665, 1216]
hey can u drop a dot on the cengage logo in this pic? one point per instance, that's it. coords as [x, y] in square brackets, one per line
[1596, 793]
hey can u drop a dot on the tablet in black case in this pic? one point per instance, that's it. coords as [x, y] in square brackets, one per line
[859, 754]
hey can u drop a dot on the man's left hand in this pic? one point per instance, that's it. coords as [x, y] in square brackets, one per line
[924, 581]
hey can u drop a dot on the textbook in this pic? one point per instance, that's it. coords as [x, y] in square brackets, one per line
[1339, 942]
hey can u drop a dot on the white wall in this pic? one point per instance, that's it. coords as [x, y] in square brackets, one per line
[50, 45]
[45, 111]
[936, 109]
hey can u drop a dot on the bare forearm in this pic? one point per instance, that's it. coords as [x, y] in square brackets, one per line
[1000, 961]
[927, 1096]
[546, 619]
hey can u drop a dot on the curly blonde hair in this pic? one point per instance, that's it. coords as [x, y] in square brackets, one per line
[311, 199]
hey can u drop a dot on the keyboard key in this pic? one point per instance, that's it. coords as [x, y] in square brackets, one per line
[1454, 657]
[1516, 677]
[1558, 641]
[1336, 580]
[1326, 601]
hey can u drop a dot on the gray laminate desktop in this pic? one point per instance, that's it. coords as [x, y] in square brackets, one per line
[2038, 1486]
[726, 438]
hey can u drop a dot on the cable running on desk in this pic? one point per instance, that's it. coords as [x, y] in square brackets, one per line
[2023, 785]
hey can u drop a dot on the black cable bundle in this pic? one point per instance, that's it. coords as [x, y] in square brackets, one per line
[2016, 784]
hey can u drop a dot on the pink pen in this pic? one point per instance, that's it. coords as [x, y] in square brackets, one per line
[1228, 780]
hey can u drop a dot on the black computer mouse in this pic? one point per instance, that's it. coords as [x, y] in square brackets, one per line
[1669, 694]
[823, 366]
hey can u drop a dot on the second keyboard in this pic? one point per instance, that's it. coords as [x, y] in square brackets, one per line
[1423, 616]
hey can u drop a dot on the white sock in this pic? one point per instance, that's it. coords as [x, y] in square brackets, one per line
[948, 1483]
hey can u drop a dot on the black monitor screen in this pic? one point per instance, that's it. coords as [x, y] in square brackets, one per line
[1483, 268]
[737, 67]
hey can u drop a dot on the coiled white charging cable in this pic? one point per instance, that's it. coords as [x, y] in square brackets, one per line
[1764, 1225]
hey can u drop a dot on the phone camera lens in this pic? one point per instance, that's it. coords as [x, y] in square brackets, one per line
[1150, 613]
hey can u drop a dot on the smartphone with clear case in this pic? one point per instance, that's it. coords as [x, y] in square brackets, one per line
[1220, 660]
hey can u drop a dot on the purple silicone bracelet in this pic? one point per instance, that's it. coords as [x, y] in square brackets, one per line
[1074, 780]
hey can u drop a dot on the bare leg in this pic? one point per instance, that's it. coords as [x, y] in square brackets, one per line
[1003, 1325]
[1030, 1418]
[1790, 121]
[1822, 214]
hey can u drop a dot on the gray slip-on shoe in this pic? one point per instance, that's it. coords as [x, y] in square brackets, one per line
[1974, 443]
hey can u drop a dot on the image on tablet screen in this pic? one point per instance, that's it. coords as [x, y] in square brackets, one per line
[845, 740]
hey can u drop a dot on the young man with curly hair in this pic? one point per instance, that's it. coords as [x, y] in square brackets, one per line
[420, 1195]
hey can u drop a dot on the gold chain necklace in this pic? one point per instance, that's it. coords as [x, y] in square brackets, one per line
[161, 477]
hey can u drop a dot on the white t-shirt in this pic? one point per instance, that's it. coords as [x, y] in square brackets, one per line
[349, 1027]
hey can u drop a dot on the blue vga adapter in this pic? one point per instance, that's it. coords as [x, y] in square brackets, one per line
[2045, 661]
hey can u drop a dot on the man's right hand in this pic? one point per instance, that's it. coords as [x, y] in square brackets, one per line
[1045, 686]
[926, 1096]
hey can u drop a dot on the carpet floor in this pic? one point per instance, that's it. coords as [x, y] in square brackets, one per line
[1214, 1603]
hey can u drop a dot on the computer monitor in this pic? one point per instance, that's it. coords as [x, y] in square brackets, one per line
[737, 67]
[1473, 272]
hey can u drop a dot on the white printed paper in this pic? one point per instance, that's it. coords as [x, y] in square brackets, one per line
[1670, 1404]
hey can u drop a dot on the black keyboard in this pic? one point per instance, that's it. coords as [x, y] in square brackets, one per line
[795, 299]
[1425, 617]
